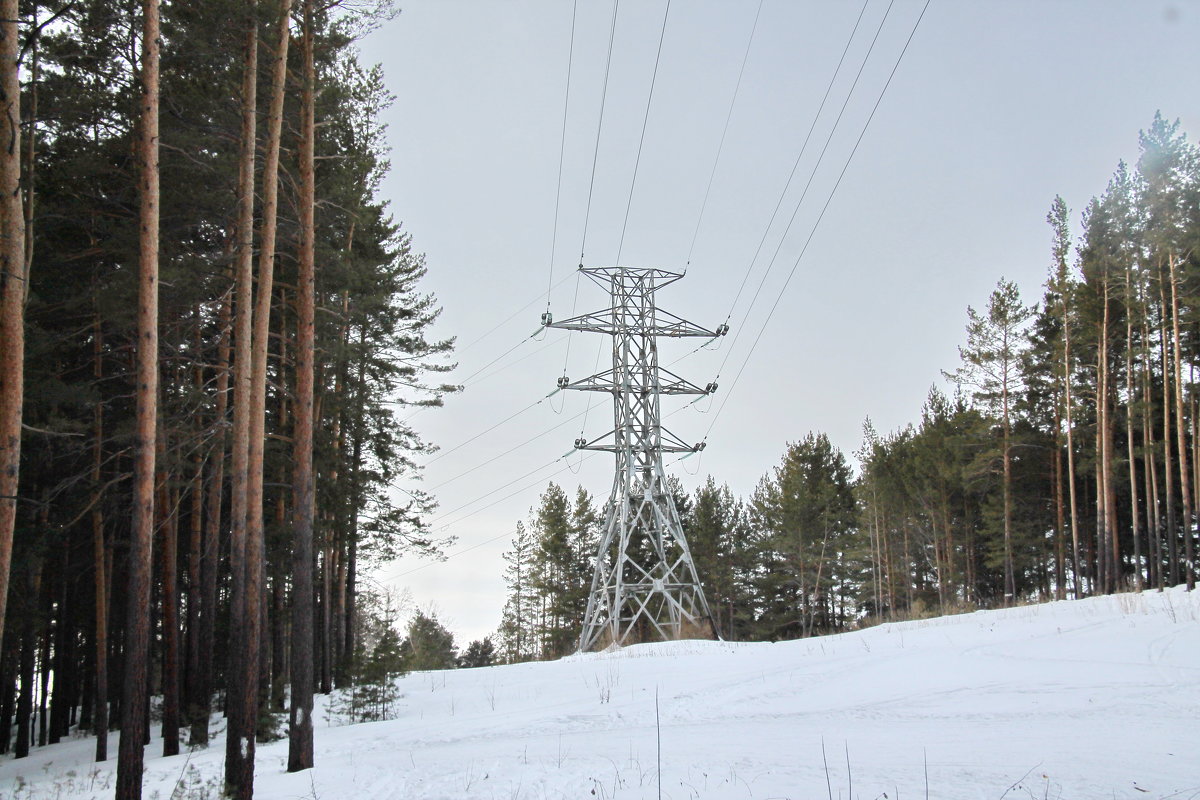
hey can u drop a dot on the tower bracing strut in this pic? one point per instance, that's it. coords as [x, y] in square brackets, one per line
[644, 585]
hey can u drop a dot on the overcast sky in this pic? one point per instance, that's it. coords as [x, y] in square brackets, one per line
[995, 108]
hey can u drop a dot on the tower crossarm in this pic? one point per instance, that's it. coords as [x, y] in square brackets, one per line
[614, 323]
[607, 443]
[673, 444]
[667, 383]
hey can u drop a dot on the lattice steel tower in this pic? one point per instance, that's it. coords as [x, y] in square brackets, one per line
[645, 583]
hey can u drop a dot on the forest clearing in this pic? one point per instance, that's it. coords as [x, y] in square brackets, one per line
[284, 458]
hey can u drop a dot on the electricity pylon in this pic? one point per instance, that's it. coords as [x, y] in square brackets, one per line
[644, 584]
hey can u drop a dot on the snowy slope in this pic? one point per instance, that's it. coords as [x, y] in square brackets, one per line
[1091, 699]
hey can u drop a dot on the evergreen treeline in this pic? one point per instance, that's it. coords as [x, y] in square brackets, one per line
[1066, 462]
[200, 163]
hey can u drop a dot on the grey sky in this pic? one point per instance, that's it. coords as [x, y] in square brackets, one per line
[996, 107]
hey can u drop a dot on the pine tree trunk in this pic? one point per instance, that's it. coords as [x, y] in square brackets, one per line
[1071, 487]
[99, 556]
[300, 730]
[237, 684]
[248, 668]
[44, 657]
[62, 661]
[1110, 484]
[195, 588]
[210, 555]
[1185, 483]
[195, 552]
[1106, 544]
[355, 503]
[1010, 580]
[8, 687]
[340, 478]
[1172, 534]
[1129, 426]
[137, 629]
[1192, 410]
[13, 280]
[25, 670]
[1153, 512]
[279, 664]
[1060, 527]
[328, 570]
[170, 628]
[278, 635]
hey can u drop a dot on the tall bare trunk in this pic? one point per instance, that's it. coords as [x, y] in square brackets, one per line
[238, 722]
[356, 501]
[340, 478]
[1168, 468]
[1185, 483]
[1129, 426]
[195, 586]
[1106, 544]
[282, 620]
[1153, 512]
[1060, 526]
[210, 555]
[1010, 580]
[1069, 403]
[100, 718]
[170, 626]
[300, 730]
[252, 606]
[137, 628]
[13, 279]
[26, 667]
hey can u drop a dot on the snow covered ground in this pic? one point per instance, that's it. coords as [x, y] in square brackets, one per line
[1076, 700]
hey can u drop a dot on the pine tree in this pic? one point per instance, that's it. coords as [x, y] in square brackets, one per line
[991, 368]
[555, 575]
[517, 632]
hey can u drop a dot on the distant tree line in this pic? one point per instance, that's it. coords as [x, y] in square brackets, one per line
[212, 328]
[1065, 463]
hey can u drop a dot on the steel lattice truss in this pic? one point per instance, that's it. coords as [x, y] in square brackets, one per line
[645, 583]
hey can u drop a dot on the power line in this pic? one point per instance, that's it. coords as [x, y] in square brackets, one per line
[478, 545]
[531, 439]
[820, 217]
[725, 130]
[470, 503]
[505, 321]
[808, 184]
[796, 164]
[468, 380]
[587, 215]
[562, 147]
[509, 418]
[641, 139]
[437, 522]
[513, 363]
[509, 451]
[612, 30]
